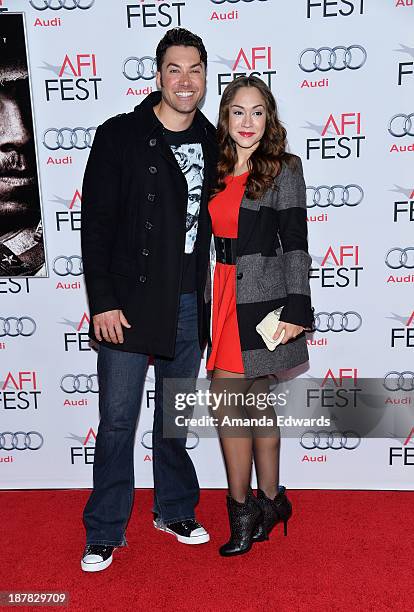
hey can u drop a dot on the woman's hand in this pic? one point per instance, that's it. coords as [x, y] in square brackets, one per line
[291, 331]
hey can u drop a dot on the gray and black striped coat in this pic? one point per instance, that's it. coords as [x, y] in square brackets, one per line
[272, 268]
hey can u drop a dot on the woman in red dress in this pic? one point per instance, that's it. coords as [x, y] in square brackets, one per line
[249, 207]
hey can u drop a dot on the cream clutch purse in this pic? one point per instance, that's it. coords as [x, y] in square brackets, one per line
[267, 327]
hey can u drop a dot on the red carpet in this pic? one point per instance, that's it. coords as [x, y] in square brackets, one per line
[345, 551]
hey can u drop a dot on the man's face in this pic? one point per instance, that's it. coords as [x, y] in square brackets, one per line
[18, 187]
[182, 79]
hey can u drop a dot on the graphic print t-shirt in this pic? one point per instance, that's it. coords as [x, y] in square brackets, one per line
[188, 152]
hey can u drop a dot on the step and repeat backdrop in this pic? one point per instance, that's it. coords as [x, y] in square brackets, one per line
[343, 75]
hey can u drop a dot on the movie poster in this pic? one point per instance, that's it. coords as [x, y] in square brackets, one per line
[22, 250]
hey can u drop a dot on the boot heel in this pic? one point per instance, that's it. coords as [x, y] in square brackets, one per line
[260, 534]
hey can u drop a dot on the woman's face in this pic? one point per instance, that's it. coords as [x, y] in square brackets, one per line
[247, 118]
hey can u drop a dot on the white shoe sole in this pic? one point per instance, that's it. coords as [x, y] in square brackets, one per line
[201, 539]
[96, 567]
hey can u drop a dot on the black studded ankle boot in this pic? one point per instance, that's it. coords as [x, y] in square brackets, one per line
[244, 521]
[274, 511]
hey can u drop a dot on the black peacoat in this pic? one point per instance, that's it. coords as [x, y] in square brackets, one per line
[134, 204]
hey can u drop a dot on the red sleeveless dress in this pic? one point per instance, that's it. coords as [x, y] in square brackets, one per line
[224, 211]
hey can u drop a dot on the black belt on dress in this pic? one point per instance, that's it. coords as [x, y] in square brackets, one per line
[226, 250]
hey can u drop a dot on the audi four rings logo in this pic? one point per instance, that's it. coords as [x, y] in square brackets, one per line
[20, 440]
[136, 68]
[146, 440]
[335, 58]
[399, 381]
[234, 1]
[56, 5]
[68, 138]
[400, 258]
[336, 321]
[401, 125]
[336, 195]
[349, 440]
[79, 383]
[17, 326]
[65, 266]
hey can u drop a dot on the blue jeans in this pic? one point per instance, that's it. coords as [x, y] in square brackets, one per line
[121, 382]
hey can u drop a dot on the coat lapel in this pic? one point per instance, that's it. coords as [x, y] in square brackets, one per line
[245, 225]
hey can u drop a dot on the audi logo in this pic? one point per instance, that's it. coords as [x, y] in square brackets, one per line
[398, 258]
[336, 195]
[68, 138]
[135, 68]
[336, 321]
[65, 266]
[399, 381]
[56, 5]
[234, 1]
[79, 383]
[335, 58]
[146, 440]
[401, 125]
[17, 326]
[20, 440]
[349, 440]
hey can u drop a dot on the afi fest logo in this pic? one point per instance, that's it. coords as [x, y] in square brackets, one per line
[402, 337]
[336, 391]
[403, 209]
[254, 61]
[332, 393]
[334, 8]
[338, 267]
[14, 286]
[405, 69]
[77, 79]
[84, 452]
[344, 141]
[19, 391]
[404, 454]
[77, 340]
[155, 14]
[69, 220]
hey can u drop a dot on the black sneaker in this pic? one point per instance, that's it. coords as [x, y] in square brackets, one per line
[96, 557]
[186, 532]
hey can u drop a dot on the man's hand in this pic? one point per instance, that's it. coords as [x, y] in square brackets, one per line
[291, 331]
[108, 325]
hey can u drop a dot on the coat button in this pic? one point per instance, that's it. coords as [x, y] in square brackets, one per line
[152, 142]
[151, 197]
[152, 170]
[148, 225]
[240, 275]
[145, 252]
[142, 278]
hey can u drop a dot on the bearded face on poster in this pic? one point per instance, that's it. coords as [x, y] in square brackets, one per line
[21, 238]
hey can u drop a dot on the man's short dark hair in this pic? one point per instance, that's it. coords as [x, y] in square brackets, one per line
[182, 38]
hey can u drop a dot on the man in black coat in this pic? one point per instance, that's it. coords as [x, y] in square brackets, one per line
[145, 243]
